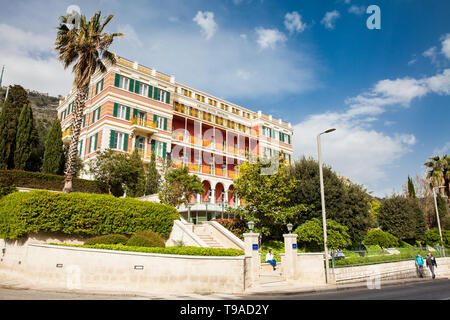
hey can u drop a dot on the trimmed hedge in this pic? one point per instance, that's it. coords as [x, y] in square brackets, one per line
[189, 251]
[107, 239]
[46, 181]
[381, 238]
[146, 238]
[81, 214]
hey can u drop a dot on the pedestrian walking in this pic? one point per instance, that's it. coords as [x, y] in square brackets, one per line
[361, 249]
[419, 265]
[431, 263]
[271, 260]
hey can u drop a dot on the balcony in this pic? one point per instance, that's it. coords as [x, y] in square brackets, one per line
[143, 126]
[67, 136]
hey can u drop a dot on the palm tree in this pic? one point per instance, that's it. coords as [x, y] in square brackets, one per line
[86, 46]
[439, 173]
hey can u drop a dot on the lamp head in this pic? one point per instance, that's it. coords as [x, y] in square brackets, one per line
[289, 227]
[330, 130]
[251, 224]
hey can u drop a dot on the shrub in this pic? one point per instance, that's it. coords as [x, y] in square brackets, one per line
[107, 239]
[432, 236]
[190, 251]
[81, 214]
[403, 244]
[381, 238]
[46, 181]
[310, 235]
[146, 238]
[6, 189]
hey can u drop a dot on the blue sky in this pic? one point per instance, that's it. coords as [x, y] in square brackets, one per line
[312, 63]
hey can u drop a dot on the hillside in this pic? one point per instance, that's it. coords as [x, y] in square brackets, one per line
[44, 109]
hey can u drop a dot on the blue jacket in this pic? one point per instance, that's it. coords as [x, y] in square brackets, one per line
[419, 260]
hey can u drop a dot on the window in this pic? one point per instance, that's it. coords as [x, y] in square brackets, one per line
[160, 149]
[121, 112]
[160, 123]
[118, 141]
[80, 148]
[161, 95]
[124, 83]
[143, 90]
[93, 140]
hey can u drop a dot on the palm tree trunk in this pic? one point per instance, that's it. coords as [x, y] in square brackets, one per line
[73, 148]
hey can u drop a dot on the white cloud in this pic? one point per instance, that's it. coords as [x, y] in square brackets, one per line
[445, 149]
[446, 45]
[31, 62]
[330, 18]
[269, 38]
[355, 149]
[293, 22]
[206, 21]
[358, 10]
[130, 36]
[431, 54]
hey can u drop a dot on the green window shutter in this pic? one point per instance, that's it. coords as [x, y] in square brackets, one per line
[165, 123]
[84, 121]
[125, 142]
[101, 85]
[168, 97]
[127, 114]
[116, 109]
[135, 113]
[289, 139]
[131, 88]
[98, 113]
[112, 139]
[155, 93]
[153, 145]
[96, 88]
[164, 150]
[155, 118]
[90, 144]
[117, 80]
[96, 140]
[93, 116]
[81, 148]
[137, 87]
[150, 91]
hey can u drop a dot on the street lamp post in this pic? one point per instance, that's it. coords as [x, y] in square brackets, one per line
[322, 196]
[437, 215]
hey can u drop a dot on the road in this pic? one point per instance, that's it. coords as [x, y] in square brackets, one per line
[427, 290]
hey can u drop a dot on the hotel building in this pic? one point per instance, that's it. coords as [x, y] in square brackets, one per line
[132, 106]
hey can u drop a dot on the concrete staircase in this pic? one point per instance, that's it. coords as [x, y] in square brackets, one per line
[209, 240]
[202, 232]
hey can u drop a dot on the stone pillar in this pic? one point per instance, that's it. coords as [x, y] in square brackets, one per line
[290, 256]
[252, 251]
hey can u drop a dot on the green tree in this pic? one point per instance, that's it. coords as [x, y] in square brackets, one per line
[346, 202]
[375, 207]
[268, 197]
[9, 118]
[27, 139]
[152, 177]
[310, 235]
[53, 161]
[397, 217]
[135, 180]
[439, 173]
[179, 186]
[411, 189]
[112, 169]
[87, 48]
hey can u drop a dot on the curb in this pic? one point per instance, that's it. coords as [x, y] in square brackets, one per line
[337, 288]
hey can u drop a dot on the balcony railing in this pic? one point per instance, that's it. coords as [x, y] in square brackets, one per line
[143, 123]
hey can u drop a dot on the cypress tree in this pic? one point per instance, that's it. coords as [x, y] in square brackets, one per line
[53, 161]
[27, 139]
[9, 117]
[411, 190]
[152, 178]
